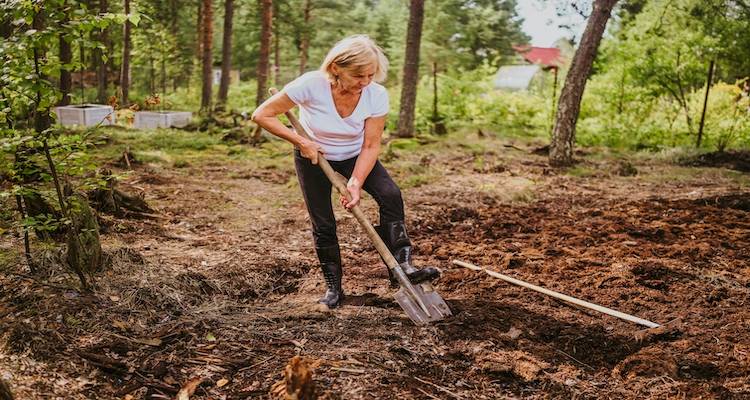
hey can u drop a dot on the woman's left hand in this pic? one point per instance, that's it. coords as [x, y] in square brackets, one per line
[354, 187]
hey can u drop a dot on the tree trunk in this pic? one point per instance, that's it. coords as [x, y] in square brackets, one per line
[554, 100]
[563, 136]
[125, 67]
[101, 65]
[206, 45]
[266, 21]
[42, 120]
[304, 43]
[198, 51]
[26, 242]
[276, 55]
[226, 54]
[83, 68]
[66, 56]
[705, 102]
[411, 70]
[151, 75]
[163, 73]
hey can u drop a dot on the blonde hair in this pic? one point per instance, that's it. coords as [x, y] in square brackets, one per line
[354, 53]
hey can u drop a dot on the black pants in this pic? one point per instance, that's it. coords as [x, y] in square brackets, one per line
[316, 189]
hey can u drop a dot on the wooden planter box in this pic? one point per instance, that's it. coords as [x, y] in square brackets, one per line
[161, 119]
[85, 115]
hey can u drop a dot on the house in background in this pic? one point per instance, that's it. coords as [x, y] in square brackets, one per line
[532, 67]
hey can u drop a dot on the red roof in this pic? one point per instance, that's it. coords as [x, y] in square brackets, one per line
[544, 56]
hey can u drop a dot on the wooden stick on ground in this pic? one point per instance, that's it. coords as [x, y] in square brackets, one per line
[573, 300]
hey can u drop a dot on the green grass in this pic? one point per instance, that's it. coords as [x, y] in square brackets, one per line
[413, 181]
[8, 257]
[165, 139]
[582, 171]
[178, 148]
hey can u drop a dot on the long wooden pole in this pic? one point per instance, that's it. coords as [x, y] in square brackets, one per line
[573, 300]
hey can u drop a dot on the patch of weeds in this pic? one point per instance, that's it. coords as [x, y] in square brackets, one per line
[525, 195]
[673, 174]
[479, 163]
[476, 149]
[180, 163]
[511, 190]
[236, 151]
[742, 179]
[676, 155]
[72, 321]
[175, 139]
[275, 149]
[6, 216]
[581, 171]
[416, 180]
[292, 183]
[171, 140]
[154, 156]
[416, 168]
[280, 164]
[404, 144]
[8, 258]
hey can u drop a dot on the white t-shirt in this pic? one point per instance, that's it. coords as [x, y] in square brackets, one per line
[340, 138]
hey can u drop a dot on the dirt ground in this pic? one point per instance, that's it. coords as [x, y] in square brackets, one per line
[220, 288]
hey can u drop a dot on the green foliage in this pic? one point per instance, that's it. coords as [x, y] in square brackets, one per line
[468, 99]
[36, 158]
[650, 88]
[468, 33]
[728, 122]
[154, 54]
[642, 121]
[241, 97]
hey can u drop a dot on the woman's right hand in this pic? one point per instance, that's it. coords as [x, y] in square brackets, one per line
[310, 150]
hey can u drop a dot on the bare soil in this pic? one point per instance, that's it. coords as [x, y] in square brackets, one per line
[222, 287]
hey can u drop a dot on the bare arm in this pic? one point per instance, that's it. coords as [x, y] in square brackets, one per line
[366, 160]
[266, 115]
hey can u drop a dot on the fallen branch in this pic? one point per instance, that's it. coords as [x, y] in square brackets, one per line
[104, 362]
[39, 282]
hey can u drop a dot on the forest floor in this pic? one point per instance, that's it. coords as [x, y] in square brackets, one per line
[221, 287]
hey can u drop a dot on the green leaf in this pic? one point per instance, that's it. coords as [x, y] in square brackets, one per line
[134, 18]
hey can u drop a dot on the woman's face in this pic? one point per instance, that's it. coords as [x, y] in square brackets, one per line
[354, 80]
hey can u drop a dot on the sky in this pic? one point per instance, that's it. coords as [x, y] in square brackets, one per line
[541, 22]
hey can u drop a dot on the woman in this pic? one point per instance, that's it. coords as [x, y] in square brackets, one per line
[344, 111]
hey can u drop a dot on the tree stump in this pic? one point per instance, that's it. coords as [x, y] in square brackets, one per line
[297, 384]
[112, 201]
[84, 254]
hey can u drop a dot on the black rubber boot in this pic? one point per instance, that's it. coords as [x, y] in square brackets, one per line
[395, 237]
[382, 233]
[330, 264]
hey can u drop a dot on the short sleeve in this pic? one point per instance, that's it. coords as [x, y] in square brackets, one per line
[300, 90]
[379, 102]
